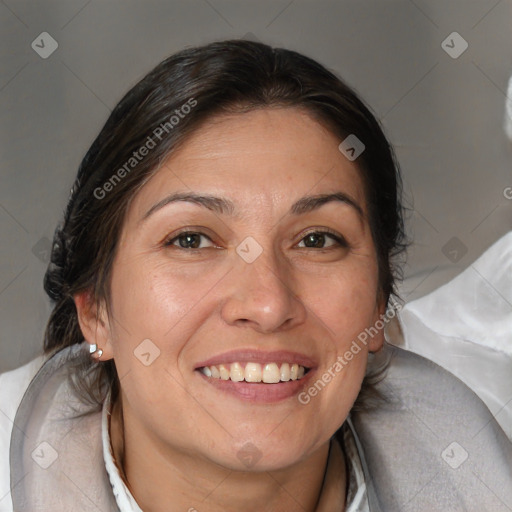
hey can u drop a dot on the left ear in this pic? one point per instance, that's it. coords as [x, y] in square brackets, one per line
[376, 341]
[94, 323]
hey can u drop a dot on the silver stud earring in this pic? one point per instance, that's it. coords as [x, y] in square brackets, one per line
[95, 352]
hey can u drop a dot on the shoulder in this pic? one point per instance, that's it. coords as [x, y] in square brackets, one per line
[422, 384]
[430, 396]
[13, 385]
[432, 437]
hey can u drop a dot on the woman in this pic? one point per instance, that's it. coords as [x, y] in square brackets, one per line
[227, 255]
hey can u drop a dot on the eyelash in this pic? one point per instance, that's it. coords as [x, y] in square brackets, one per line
[340, 240]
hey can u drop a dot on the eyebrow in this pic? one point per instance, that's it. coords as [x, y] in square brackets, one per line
[226, 207]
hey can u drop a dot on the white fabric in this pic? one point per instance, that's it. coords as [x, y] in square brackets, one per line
[465, 326]
[357, 496]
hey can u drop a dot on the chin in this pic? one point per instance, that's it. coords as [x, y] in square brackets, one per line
[267, 453]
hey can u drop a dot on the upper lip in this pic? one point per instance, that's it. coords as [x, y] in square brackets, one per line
[258, 356]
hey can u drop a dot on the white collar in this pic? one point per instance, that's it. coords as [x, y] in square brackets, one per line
[357, 494]
[124, 499]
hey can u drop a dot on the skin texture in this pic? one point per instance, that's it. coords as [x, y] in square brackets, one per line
[180, 437]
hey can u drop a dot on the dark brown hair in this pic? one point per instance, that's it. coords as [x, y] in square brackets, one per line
[222, 77]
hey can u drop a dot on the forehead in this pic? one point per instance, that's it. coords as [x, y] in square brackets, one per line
[262, 159]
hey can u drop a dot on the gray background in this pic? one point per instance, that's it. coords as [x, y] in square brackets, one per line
[444, 115]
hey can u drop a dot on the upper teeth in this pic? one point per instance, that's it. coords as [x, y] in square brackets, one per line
[269, 373]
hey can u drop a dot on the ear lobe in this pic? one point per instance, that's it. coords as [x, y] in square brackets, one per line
[94, 322]
[376, 342]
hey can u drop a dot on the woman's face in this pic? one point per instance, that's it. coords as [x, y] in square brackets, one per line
[270, 277]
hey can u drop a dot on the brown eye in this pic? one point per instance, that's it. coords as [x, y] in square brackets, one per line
[187, 240]
[314, 240]
[318, 240]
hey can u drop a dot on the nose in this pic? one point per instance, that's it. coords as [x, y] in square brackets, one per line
[261, 296]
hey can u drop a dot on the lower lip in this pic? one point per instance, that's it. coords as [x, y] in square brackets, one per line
[259, 392]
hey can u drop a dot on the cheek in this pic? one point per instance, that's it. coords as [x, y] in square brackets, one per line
[149, 304]
[332, 393]
[344, 301]
[346, 308]
[149, 301]
[345, 304]
[156, 311]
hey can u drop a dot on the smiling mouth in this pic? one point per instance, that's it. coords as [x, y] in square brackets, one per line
[269, 373]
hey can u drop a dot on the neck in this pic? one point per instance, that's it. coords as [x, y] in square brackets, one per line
[157, 477]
